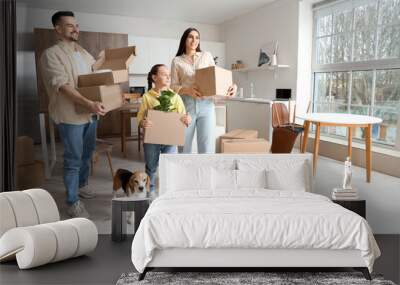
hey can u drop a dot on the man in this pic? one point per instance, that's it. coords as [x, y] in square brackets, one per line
[60, 66]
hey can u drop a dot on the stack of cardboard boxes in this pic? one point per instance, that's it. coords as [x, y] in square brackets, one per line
[103, 84]
[243, 141]
[30, 172]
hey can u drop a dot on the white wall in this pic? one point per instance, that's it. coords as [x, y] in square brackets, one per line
[29, 18]
[382, 195]
[40, 18]
[245, 35]
[290, 22]
[304, 56]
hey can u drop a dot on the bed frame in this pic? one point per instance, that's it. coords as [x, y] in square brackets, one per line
[245, 259]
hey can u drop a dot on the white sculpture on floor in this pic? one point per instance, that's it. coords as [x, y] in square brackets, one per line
[31, 231]
[347, 175]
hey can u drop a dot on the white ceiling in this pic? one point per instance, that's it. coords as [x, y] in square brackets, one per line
[197, 11]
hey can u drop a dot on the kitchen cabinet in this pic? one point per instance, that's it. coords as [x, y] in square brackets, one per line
[253, 113]
[151, 51]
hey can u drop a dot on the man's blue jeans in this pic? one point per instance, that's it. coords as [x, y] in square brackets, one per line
[152, 156]
[79, 143]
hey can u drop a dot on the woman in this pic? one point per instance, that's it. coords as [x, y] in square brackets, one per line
[202, 110]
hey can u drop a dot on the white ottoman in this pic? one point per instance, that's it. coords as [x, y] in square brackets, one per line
[31, 233]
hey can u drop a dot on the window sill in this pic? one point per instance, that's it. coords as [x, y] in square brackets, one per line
[358, 145]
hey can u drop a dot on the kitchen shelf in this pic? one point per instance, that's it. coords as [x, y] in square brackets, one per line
[266, 67]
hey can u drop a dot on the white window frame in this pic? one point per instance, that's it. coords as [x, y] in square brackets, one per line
[367, 65]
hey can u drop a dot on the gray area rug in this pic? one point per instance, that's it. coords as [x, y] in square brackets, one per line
[243, 278]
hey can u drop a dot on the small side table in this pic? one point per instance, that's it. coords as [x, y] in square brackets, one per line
[119, 208]
[356, 206]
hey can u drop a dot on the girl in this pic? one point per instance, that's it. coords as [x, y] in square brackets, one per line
[159, 76]
[189, 58]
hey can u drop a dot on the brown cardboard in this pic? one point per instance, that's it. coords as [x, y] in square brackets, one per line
[245, 146]
[24, 151]
[238, 134]
[117, 60]
[109, 95]
[167, 128]
[30, 175]
[241, 134]
[213, 80]
[103, 78]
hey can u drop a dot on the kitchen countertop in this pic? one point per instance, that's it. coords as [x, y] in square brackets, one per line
[252, 100]
[223, 101]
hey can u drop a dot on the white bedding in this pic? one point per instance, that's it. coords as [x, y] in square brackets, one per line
[250, 218]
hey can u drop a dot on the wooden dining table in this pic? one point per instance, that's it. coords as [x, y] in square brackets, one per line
[350, 121]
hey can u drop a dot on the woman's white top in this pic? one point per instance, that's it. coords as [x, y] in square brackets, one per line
[183, 70]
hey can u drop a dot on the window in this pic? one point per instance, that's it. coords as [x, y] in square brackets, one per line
[356, 64]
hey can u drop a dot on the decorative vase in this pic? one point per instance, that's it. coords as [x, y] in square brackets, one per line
[274, 60]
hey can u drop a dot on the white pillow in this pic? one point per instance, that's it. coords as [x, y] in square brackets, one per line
[224, 179]
[251, 178]
[283, 172]
[183, 177]
[295, 179]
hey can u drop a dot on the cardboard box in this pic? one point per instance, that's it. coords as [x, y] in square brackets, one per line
[238, 134]
[213, 80]
[24, 151]
[30, 175]
[110, 95]
[117, 60]
[167, 128]
[103, 78]
[241, 134]
[246, 146]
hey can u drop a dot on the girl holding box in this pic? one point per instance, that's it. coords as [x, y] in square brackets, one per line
[159, 75]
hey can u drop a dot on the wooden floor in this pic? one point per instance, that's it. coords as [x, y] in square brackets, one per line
[110, 260]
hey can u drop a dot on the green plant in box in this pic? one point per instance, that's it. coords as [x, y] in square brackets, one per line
[165, 101]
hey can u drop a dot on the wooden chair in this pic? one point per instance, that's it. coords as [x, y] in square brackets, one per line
[103, 146]
[285, 132]
[280, 115]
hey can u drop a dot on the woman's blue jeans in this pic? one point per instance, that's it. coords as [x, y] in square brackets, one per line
[202, 112]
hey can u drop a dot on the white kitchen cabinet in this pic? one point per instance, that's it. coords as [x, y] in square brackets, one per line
[254, 114]
[249, 115]
[151, 51]
[140, 64]
[161, 51]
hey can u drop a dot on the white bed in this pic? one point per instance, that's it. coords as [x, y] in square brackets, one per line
[217, 211]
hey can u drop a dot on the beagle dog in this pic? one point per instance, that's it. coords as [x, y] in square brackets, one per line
[134, 184]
